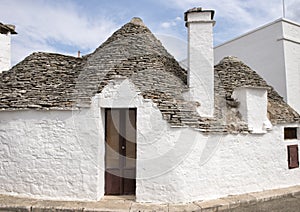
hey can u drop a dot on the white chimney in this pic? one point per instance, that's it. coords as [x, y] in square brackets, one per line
[201, 59]
[253, 107]
[5, 46]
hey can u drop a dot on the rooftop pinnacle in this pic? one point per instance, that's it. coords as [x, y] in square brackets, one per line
[137, 21]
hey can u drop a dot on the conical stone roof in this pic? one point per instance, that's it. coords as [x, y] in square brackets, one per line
[133, 52]
[233, 73]
[41, 81]
[46, 81]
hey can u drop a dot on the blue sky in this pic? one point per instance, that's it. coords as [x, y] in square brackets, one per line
[66, 26]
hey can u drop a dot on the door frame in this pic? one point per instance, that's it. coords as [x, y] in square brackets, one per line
[122, 152]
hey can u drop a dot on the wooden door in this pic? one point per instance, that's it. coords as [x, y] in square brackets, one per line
[293, 158]
[120, 151]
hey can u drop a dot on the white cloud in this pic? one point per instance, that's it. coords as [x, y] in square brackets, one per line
[172, 23]
[65, 26]
[240, 16]
[166, 24]
[41, 25]
[246, 11]
[233, 17]
[178, 18]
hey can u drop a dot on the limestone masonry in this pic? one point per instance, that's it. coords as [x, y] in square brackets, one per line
[53, 121]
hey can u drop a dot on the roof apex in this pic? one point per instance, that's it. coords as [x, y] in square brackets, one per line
[137, 21]
[231, 59]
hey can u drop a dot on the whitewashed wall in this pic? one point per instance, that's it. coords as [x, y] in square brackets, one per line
[207, 167]
[5, 52]
[253, 107]
[53, 155]
[291, 44]
[60, 155]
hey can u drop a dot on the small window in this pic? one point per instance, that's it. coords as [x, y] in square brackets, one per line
[290, 133]
[293, 159]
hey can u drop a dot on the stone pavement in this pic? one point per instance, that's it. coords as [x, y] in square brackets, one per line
[127, 203]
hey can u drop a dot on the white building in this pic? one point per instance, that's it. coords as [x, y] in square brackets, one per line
[125, 120]
[272, 50]
[6, 30]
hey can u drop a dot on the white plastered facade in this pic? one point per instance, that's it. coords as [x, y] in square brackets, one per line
[60, 154]
[253, 106]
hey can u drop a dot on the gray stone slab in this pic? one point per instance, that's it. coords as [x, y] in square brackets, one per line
[63, 206]
[237, 200]
[15, 209]
[273, 194]
[294, 190]
[108, 205]
[55, 210]
[146, 207]
[12, 203]
[184, 207]
[213, 205]
[121, 197]
[126, 203]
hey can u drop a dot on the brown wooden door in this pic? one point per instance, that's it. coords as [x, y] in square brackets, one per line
[120, 151]
[293, 158]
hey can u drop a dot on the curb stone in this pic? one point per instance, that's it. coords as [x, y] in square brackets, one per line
[213, 205]
[15, 209]
[17, 204]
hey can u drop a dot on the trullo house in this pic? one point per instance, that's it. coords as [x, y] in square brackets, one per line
[127, 119]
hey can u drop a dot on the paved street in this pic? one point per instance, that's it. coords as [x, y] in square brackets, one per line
[278, 200]
[285, 204]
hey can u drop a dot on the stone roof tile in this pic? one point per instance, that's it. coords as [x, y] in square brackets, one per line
[233, 73]
[52, 81]
[41, 81]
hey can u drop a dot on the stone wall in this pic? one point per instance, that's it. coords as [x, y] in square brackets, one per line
[60, 154]
[183, 164]
[198, 167]
[52, 155]
[56, 150]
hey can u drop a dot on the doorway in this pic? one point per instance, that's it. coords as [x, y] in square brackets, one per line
[120, 151]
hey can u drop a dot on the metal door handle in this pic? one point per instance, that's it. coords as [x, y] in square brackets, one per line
[123, 147]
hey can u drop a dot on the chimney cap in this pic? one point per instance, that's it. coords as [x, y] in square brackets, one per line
[196, 10]
[5, 28]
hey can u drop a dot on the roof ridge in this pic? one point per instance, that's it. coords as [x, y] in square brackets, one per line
[38, 55]
[134, 27]
[132, 39]
[52, 54]
[234, 73]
